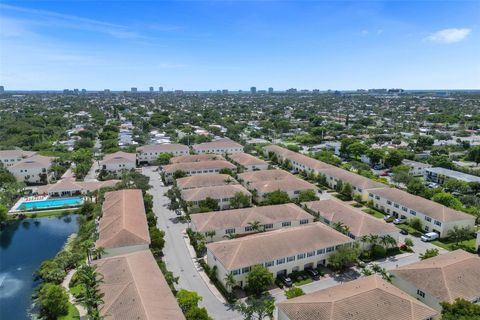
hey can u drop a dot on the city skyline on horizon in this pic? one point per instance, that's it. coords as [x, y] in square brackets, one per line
[215, 45]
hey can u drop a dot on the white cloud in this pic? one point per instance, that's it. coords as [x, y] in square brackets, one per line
[451, 35]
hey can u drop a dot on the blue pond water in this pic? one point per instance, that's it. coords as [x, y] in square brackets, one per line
[51, 203]
[23, 247]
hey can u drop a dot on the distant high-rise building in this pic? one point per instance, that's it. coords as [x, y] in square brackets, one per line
[133, 89]
[106, 90]
[253, 90]
[151, 89]
[270, 90]
[225, 91]
[292, 90]
[219, 91]
[2, 89]
[160, 89]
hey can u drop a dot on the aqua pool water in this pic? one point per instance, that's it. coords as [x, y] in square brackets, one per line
[50, 203]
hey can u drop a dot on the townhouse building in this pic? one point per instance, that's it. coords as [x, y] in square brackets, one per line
[434, 216]
[222, 194]
[196, 168]
[443, 278]
[281, 251]
[196, 158]
[123, 226]
[248, 162]
[10, 157]
[439, 175]
[359, 223]
[220, 146]
[416, 168]
[367, 298]
[34, 169]
[70, 187]
[118, 162]
[241, 222]
[207, 180]
[149, 154]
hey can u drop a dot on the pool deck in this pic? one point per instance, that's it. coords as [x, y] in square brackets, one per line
[15, 209]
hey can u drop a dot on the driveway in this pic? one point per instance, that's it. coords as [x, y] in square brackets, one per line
[177, 257]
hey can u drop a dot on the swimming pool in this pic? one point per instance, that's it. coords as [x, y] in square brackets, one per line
[51, 203]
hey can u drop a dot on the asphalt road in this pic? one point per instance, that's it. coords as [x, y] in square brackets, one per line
[177, 257]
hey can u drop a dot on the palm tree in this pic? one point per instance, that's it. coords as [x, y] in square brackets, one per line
[373, 239]
[341, 227]
[91, 297]
[210, 234]
[230, 281]
[230, 236]
[98, 252]
[255, 225]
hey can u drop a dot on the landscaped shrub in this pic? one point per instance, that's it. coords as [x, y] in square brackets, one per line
[378, 252]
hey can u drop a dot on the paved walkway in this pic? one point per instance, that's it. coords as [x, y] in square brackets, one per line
[177, 255]
[81, 309]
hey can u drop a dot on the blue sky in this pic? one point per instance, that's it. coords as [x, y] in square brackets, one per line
[200, 45]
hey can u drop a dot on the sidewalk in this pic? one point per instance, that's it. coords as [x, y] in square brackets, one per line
[81, 309]
[200, 270]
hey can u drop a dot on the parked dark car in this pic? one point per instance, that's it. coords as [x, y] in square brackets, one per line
[285, 280]
[404, 231]
[314, 274]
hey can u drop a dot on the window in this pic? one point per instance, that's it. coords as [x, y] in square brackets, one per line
[326, 221]
[230, 231]
[320, 251]
[310, 254]
[438, 223]
[360, 190]
[246, 269]
[427, 218]
[290, 259]
[296, 192]
[377, 197]
[304, 221]
[421, 293]
[269, 264]
[389, 202]
[248, 228]
[300, 256]
[396, 205]
[286, 224]
[268, 226]
[413, 213]
[404, 209]
[330, 249]
[280, 261]
[370, 195]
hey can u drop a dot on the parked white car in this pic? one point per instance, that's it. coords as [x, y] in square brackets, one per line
[429, 236]
[399, 221]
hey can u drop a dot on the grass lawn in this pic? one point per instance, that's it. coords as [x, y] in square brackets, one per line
[443, 243]
[375, 213]
[342, 197]
[52, 213]
[72, 313]
[406, 227]
[303, 282]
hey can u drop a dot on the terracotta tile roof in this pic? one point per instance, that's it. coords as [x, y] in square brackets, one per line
[267, 246]
[201, 165]
[237, 218]
[135, 288]
[35, 161]
[218, 144]
[369, 298]
[215, 192]
[196, 158]
[288, 184]
[206, 180]
[123, 222]
[448, 276]
[119, 156]
[419, 204]
[359, 222]
[264, 175]
[245, 159]
[165, 148]
[72, 185]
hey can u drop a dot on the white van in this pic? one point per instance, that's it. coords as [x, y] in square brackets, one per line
[429, 236]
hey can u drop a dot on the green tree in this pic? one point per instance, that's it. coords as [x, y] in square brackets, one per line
[357, 149]
[277, 197]
[294, 292]
[259, 279]
[375, 155]
[448, 200]
[441, 161]
[240, 200]
[230, 281]
[474, 154]
[157, 241]
[416, 224]
[343, 256]
[415, 186]
[91, 296]
[423, 142]
[408, 242]
[53, 300]
[188, 300]
[197, 313]
[51, 271]
[341, 227]
[164, 158]
[394, 157]
[3, 213]
[401, 174]
[307, 195]
[459, 234]
[257, 308]
[347, 190]
[209, 203]
[179, 174]
[461, 309]
[429, 253]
